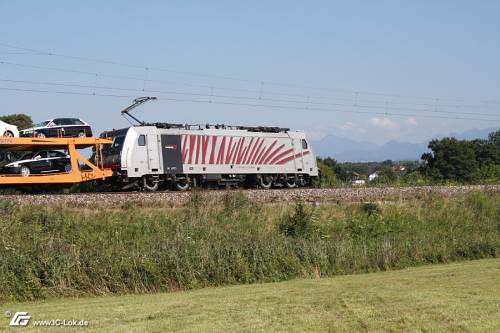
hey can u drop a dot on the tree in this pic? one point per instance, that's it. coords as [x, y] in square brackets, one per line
[487, 153]
[494, 138]
[22, 121]
[386, 174]
[328, 178]
[338, 169]
[450, 159]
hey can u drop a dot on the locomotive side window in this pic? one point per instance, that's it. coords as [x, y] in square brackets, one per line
[304, 144]
[142, 140]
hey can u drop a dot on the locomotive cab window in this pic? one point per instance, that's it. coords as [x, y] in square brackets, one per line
[117, 142]
[142, 140]
[304, 144]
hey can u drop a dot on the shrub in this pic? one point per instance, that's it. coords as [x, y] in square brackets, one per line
[370, 208]
[298, 223]
[328, 178]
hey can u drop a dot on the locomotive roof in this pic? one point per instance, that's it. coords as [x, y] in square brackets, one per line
[264, 129]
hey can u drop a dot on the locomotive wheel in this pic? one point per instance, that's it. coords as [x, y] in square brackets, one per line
[182, 184]
[266, 181]
[290, 183]
[149, 184]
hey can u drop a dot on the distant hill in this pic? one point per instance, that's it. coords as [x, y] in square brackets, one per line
[344, 150]
[473, 134]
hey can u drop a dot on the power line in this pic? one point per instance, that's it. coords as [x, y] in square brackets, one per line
[257, 105]
[308, 101]
[434, 111]
[260, 82]
[16, 53]
[65, 92]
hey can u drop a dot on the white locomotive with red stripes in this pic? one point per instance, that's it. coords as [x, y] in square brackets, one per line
[161, 155]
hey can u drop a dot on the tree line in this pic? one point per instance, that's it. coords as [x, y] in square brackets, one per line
[463, 160]
[448, 160]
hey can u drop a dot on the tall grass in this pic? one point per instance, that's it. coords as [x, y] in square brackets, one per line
[58, 251]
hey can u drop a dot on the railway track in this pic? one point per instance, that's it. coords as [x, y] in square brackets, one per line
[311, 195]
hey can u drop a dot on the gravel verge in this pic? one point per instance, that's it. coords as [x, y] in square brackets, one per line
[311, 195]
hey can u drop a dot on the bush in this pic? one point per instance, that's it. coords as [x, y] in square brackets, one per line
[488, 174]
[370, 208]
[298, 223]
[328, 178]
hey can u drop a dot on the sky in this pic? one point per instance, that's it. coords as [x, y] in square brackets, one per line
[365, 70]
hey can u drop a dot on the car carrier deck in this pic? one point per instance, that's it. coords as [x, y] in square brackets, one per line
[93, 171]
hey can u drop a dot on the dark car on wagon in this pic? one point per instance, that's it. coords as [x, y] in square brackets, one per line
[57, 128]
[38, 162]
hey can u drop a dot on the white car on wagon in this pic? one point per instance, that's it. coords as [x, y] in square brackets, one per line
[8, 130]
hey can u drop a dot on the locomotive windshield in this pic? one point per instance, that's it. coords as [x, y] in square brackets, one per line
[117, 142]
[115, 147]
[118, 137]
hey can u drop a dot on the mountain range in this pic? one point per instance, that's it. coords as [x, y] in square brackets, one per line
[348, 150]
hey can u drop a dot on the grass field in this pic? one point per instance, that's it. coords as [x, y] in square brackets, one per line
[458, 297]
[53, 251]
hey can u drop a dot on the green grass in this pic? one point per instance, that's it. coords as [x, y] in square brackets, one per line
[59, 251]
[459, 297]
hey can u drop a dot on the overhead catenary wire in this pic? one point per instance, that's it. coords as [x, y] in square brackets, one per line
[65, 92]
[257, 105]
[144, 79]
[260, 98]
[222, 77]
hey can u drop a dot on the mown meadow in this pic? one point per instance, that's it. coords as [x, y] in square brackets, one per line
[56, 250]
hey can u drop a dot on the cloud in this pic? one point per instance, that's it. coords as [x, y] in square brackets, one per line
[350, 127]
[346, 126]
[384, 123]
[412, 121]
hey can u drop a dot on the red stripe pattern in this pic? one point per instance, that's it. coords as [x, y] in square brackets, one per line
[204, 149]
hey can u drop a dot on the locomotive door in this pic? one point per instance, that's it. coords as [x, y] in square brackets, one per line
[306, 161]
[153, 153]
[172, 155]
[299, 161]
